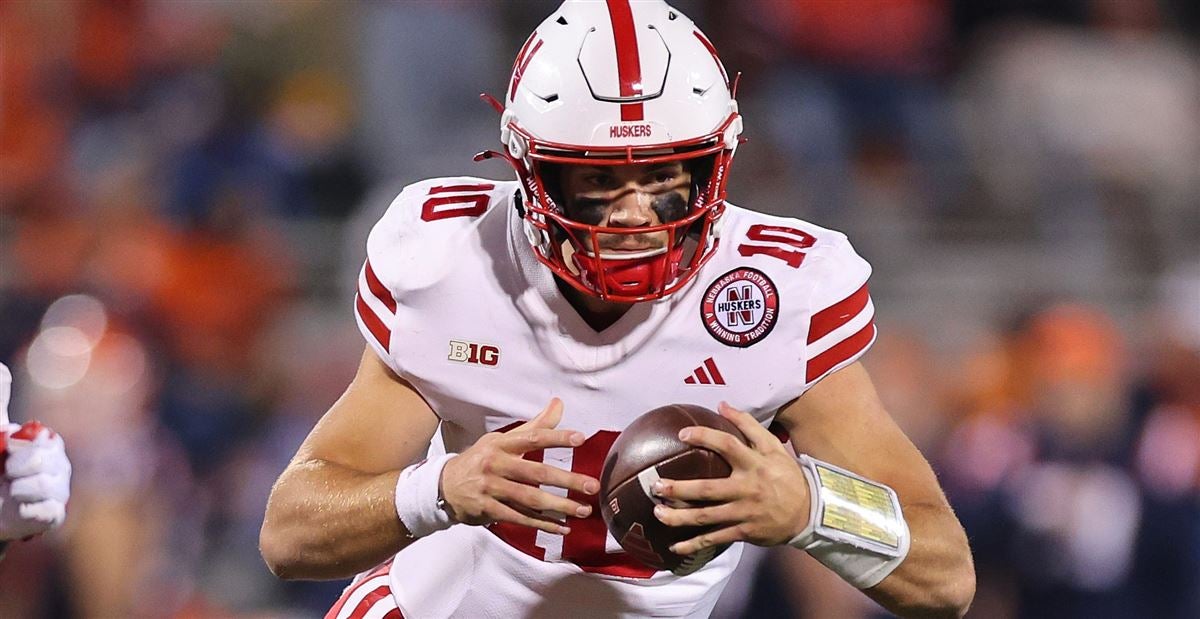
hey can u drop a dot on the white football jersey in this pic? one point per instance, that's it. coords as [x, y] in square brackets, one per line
[453, 300]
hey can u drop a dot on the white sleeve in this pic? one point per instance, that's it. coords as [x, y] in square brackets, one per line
[842, 319]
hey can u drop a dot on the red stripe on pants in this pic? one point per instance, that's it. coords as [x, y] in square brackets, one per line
[337, 606]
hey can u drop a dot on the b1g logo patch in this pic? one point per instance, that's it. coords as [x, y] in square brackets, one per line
[740, 308]
[470, 352]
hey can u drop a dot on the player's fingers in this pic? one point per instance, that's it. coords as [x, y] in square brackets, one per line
[759, 437]
[38, 488]
[737, 453]
[550, 517]
[548, 418]
[719, 489]
[715, 538]
[504, 513]
[697, 516]
[521, 441]
[539, 500]
[540, 474]
[48, 513]
[34, 432]
[29, 458]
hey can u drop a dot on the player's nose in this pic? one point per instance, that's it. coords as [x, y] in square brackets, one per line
[632, 209]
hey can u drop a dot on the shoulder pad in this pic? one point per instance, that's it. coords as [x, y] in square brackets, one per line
[415, 244]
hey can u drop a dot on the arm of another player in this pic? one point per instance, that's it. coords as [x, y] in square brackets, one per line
[333, 511]
[767, 500]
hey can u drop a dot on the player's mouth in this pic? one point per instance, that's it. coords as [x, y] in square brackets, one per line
[629, 247]
[625, 244]
[630, 254]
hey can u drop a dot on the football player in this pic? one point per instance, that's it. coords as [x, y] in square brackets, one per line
[35, 475]
[518, 326]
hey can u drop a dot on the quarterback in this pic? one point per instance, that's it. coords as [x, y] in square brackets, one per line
[514, 328]
[35, 475]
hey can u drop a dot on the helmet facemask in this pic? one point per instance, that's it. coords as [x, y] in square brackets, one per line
[580, 251]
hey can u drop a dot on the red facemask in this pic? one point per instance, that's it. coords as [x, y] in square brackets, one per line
[570, 248]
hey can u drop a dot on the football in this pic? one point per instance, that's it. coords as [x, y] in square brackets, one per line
[645, 451]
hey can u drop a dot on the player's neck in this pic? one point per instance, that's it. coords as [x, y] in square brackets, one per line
[597, 313]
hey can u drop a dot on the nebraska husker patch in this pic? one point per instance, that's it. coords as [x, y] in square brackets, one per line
[740, 307]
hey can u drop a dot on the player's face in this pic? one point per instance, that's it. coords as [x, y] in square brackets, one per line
[627, 196]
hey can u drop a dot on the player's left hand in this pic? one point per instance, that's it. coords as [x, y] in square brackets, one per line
[764, 501]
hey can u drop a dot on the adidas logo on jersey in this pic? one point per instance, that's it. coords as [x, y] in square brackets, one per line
[470, 352]
[706, 374]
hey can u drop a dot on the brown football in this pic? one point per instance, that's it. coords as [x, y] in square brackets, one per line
[646, 450]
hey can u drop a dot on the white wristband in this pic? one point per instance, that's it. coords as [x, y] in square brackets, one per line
[417, 497]
[855, 525]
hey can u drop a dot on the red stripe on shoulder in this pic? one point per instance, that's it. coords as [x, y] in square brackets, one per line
[461, 188]
[840, 352]
[382, 334]
[838, 314]
[379, 290]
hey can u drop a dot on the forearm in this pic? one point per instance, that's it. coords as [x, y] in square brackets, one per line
[937, 578]
[326, 521]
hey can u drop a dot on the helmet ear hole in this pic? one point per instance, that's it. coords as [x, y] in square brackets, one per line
[701, 170]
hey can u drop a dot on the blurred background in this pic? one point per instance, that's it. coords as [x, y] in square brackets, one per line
[186, 187]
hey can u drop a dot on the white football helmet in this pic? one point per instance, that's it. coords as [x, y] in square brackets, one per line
[614, 83]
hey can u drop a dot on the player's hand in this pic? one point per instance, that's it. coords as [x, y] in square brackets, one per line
[764, 501]
[35, 475]
[492, 482]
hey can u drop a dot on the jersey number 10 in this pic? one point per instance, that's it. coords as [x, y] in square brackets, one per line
[782, 242]
[585, 544]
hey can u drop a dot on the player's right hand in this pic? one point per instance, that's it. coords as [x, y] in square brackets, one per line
[492, 482]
